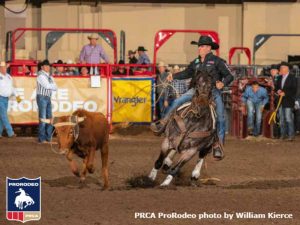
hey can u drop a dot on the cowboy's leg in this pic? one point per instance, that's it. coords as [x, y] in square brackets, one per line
[184, 158]
[42, 106]
[250, 115]
[258, 113]
[161, 107]
[49, 127]
[282, 123]
[290, 122]
[220, 114]
[158, 128]
[186, 97]
[3, 116]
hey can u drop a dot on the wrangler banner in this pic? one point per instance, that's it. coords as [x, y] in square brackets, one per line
[72, 94]
[132, 99]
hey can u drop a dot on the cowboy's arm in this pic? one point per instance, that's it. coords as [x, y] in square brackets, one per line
[82, 55]
[103, 55]
[185, 74]
[44, 82]
[225, 72]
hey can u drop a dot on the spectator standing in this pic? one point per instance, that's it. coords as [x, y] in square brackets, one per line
[161, 85]
[131, 57]
[45, 86]
[92, 53]
[6, 91]
[286, 87]
[255, 98]
[174, 90]
[143, 57]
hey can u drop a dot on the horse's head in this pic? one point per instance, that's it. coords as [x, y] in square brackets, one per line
[203, 88]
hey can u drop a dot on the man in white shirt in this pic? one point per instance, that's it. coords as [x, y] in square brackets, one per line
[6, 90]
[45, 86]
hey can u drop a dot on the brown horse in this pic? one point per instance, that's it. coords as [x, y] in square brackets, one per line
[191, 129]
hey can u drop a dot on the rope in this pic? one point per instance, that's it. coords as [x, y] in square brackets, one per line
[273, 115]
[52, 144]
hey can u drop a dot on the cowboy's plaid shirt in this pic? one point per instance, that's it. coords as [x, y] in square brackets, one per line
[176, 88]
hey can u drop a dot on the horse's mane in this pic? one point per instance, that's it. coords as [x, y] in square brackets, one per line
[203, 89]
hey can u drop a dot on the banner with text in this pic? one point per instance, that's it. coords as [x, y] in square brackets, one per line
[72, 94]
[132, 99]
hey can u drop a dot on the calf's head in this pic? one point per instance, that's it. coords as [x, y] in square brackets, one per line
[66, 129]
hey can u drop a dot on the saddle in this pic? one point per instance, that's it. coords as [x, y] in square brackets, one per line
[179, 119]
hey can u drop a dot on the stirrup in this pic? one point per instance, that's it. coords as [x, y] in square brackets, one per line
[218, 151]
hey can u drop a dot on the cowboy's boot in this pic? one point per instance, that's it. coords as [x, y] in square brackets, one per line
[218, 151]
[159, 126]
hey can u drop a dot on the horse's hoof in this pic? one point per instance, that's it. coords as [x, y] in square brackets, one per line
[167, 181]
[153, 174]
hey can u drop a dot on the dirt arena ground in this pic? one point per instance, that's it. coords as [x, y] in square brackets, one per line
[256, 176]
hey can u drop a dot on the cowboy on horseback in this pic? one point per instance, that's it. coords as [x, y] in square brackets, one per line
[221, 75]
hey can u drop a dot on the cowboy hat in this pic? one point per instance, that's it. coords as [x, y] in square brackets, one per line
[93, 36]
[3, 64]
[274, 67]
[176, 67]
[45, 63]
[141, 48]
[206, 40]
[162, 64]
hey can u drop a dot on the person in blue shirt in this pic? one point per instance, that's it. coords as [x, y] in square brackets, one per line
[255, 97]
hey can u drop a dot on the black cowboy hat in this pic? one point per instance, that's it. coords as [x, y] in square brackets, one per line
[206, 40]
[141, 48]
[274, 67]
[45, 63]
[283, 63]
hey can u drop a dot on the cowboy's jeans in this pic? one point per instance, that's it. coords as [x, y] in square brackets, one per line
[217, 95]
[45, 112]
[186, 97]
[251, 109]
[4, 122]
[286, 122]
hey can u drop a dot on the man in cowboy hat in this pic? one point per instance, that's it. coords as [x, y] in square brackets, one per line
[6, 90]
[45, 86]
[161, 85]
[221, 77]
[92, 53]
[286, 87]
[131, 57]
[143, 57]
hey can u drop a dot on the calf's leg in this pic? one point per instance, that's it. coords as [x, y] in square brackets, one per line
[72, 164]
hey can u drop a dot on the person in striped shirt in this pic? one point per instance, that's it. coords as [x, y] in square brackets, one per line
[45, 86]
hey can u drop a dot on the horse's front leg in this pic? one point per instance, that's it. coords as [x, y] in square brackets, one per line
[72, 163]
[169, 160]
[185, 157]
[165, 147]
[197, 170]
